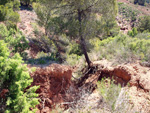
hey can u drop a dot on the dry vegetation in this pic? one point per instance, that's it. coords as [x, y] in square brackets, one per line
[56, 75]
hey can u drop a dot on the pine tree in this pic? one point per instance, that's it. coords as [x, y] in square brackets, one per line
[79, 16]
[144, 24]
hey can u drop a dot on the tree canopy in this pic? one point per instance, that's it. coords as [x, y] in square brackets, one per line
[80, 18]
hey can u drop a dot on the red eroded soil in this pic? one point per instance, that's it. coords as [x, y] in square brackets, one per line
[53, 80]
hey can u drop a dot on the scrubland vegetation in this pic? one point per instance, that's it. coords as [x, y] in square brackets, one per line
[73, 33]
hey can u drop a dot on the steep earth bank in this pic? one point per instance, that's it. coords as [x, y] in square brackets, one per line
[57, 87]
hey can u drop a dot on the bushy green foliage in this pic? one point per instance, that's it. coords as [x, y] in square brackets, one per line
[27, 2]
[12, 2]
[143, 36]
[109, 91]
[107, 28]
[123, 48]
[16, 79]
[75, 49]
[8, 11]
[73, 59]
[16, 41]
[3, 13]
[74, 53]
[144, 24]
[133, 32]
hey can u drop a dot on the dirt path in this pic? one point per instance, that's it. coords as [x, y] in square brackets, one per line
[27, 17]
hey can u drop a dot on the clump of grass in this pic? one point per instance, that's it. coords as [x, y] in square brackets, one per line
[109, 91]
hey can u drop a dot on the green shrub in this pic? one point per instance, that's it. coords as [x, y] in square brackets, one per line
[72, 59]
[75, 49]
[47, 56]
[16, 41]
[123, 48]
[41, 61]
[16, 79]
[3, 13]
[16, 4]
[144, 24]
[56, 46]
[27, 2]
[133, 32]
[107, 27]
[8, 11]
[143, 36]
[109, 91]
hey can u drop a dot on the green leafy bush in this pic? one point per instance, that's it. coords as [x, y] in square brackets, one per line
[143, 36]
[123, 48]
[144, 24]
[3, 13]
[109, 91]
[75, 49]
[73, 59]
[15, 78]
[27, 2]
[16, 41]
[107, 27]
[8, 11]
[133, 32]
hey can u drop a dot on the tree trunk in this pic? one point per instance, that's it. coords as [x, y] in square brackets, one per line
[82, 41]
[83, 45]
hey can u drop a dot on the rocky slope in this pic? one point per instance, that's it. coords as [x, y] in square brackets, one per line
[144, 9]
[56, 87]
[135, 81]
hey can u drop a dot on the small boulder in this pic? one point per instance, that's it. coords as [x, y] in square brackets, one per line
[144, 81]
